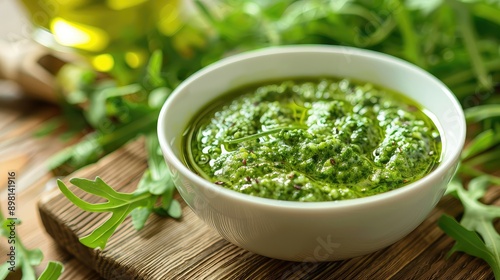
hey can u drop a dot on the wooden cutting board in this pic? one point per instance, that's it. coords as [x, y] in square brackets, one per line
[188, 249]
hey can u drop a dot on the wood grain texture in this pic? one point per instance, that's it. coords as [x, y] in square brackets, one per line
[25, 154]
[188, 249]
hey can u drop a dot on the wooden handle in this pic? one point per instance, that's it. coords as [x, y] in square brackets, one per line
[32, 66]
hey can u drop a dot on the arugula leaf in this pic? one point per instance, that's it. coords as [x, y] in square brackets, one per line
[139, 204]
[487, 139]
[468, 241]
[4, 270]
[476, 234]
[119, 204]
[153, 78]
[483, 148]
[488, 12]
[174, 209]
[482, 112]
[465, 169]
[49, 126]
[25, 259]
[464, 19]
[52, 271]
[98, 110]
[156, 180]
[97, 144]
[158, 96]
[140, 215]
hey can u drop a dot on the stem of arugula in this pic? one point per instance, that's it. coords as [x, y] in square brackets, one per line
[410, 40]
[469, 38]
[469, 170]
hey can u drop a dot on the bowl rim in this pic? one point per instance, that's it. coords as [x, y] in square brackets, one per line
[446, 163]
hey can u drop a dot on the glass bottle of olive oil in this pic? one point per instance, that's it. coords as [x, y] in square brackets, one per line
[108, 32]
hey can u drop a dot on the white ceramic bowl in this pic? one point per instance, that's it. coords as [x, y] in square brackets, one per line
[311, 231]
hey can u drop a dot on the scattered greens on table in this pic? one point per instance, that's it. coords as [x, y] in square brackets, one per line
[457, 41]
[476, 234]
[25, 259]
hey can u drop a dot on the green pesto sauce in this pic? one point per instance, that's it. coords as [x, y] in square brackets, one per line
[312, 140]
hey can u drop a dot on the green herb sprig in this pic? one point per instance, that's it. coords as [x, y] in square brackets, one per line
[26, 259]
[140, 204]
[482, 149]
[475, 234]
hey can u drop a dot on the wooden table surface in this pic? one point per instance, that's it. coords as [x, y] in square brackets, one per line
[25, 154]
[422, 255]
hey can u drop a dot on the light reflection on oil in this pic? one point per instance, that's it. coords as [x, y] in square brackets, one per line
[103, 62]
[169, 22]
[77, 35]
[108, 32]
[121, 4]
[134, 59]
